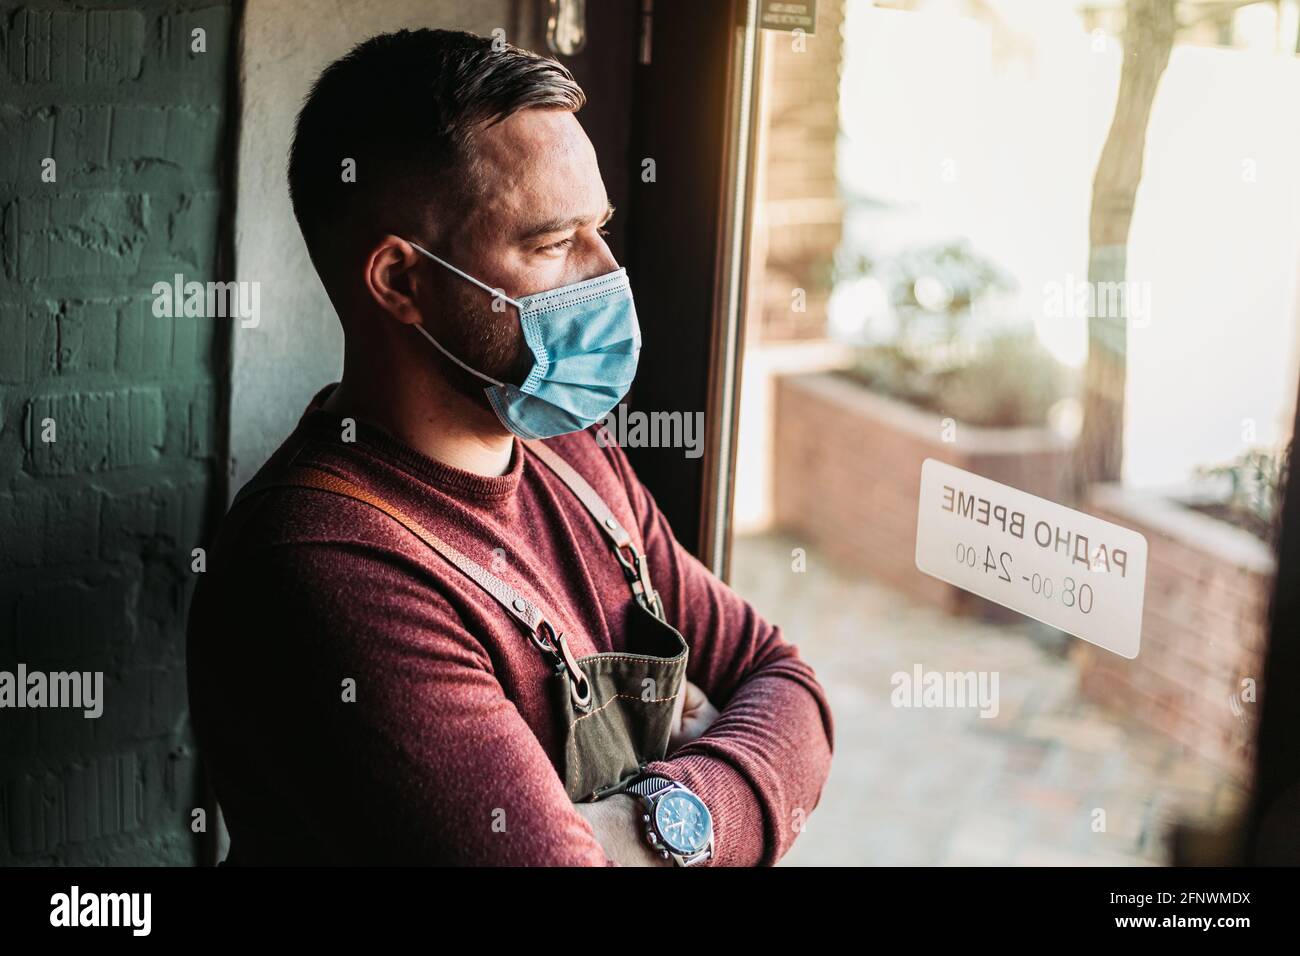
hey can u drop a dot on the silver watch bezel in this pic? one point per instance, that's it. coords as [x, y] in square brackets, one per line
[658, 843]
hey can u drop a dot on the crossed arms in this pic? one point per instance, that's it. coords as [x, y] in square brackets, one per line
[433, 762]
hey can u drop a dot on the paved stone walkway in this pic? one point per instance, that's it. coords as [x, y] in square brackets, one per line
[923, 787]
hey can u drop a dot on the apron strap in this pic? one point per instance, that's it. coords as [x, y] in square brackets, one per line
[301, 476]
[635, 566]
[541, 632]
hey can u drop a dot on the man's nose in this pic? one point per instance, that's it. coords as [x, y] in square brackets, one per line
[601, 261]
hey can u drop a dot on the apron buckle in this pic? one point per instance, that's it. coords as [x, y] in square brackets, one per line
[636, 568]
[554, 644]
[579, 686]
[545, 641]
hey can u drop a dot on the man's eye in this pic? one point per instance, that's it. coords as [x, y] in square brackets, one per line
[557, 246]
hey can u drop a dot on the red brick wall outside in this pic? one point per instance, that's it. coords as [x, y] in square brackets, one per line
[848, 474]
[1204, 628]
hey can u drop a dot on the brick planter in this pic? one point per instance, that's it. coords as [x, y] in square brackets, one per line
[1204, 626]
[848, 472]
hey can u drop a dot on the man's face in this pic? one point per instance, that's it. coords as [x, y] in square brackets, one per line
[537, 226]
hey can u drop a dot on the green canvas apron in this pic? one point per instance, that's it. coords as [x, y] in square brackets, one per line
[615, 709]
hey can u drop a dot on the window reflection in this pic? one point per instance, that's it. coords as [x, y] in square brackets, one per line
[956, 255]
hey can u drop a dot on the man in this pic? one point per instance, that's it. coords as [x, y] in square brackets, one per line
[360, 689]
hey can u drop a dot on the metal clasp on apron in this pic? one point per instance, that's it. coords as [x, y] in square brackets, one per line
[637, 571]
[555, 645]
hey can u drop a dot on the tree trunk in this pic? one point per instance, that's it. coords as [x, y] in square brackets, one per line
[1148, 38]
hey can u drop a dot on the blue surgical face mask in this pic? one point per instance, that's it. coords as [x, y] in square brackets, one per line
[585, 341]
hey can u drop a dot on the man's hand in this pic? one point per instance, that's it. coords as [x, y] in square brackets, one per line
[692, 715]
[620, 830]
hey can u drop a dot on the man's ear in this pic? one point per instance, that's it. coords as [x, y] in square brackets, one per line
[394, 280]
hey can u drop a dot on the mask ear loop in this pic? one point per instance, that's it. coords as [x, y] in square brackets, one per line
[496, 293]
[487, 378]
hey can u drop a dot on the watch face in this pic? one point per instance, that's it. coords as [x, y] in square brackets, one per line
[683, 822]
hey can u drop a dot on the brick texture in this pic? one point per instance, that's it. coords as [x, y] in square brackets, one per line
[1204, 631]
[848, 473]
[96, 527]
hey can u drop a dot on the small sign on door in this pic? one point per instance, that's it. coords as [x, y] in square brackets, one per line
[1065, 568]
[787, 16]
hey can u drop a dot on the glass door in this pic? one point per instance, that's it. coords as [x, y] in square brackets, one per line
[1036, 256]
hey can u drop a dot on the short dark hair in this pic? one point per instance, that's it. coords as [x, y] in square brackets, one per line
[405, 106]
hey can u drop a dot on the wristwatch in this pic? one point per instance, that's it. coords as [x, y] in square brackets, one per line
[678, 826]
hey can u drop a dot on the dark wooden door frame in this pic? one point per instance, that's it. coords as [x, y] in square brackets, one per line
[693, 104]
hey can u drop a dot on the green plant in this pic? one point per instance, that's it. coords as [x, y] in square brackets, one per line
[1008, 381]
[1254, 480]
[1013, 381]
[932, 290]
[963, 274]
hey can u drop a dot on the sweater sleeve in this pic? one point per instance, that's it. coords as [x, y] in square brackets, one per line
[761, 766]
[366, 705]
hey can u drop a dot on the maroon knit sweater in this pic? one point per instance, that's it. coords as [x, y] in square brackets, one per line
[448, 753]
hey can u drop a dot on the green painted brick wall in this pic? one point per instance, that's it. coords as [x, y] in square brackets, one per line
[96, 528]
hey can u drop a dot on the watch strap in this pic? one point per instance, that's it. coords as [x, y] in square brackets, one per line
[649, 785]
